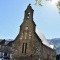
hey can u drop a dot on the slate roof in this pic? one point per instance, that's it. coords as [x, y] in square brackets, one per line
[44, 40]
[4, 42]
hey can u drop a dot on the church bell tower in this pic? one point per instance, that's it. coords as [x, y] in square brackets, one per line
[28, 22]
[29, 12]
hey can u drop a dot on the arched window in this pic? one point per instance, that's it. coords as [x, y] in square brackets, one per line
[28, 15]
[24, 48]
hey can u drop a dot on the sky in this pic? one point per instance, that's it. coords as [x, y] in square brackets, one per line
[47, 18]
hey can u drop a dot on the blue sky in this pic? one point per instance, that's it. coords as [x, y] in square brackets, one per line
[46, 18]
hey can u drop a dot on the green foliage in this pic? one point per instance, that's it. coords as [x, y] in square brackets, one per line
[39, 3]
[58, 5]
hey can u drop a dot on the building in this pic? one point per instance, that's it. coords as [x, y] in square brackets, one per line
[29, 44]
[5, 49]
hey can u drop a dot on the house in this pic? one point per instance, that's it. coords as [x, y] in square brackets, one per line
[5, 49]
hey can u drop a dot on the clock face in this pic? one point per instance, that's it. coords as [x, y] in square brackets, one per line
[26, 28]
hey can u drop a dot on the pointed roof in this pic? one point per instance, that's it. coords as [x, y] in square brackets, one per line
[29, 7]
[43, 39]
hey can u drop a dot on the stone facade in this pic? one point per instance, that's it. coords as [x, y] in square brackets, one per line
[27, 45]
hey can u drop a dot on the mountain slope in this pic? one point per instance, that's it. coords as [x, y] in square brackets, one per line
[56, 43]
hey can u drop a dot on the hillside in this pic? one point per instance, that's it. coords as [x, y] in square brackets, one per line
[56, 43]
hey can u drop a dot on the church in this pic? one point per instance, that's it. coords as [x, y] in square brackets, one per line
[29, 43]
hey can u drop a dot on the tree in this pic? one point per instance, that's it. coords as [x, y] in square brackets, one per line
[39, 2]
[58, 57]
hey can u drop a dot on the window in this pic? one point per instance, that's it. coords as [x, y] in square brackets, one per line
[5, 54]
[24, 47]
[28, 14]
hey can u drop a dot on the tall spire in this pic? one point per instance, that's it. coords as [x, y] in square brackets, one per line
[29, 7]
